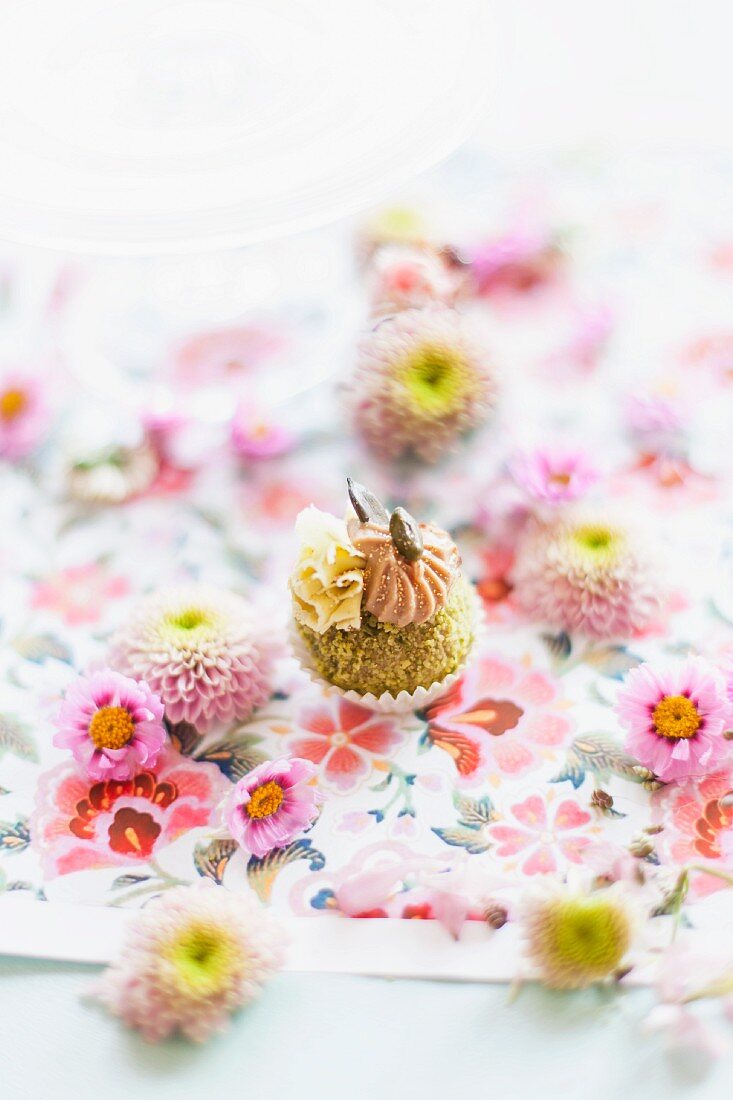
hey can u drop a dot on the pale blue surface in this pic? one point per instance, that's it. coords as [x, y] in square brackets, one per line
[341, 1037]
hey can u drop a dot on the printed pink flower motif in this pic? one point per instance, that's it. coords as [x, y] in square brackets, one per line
[582, 348]
[554, 476]
[345, 740]
[698, 827]
[24, 415]
[254, 436]
[542, 834]
[224, 354]
[271, 805]
[654, 417]
[499, 719]
[78, 594]
[112, 725]
[713, 354]
[675, 717]
[78, 825]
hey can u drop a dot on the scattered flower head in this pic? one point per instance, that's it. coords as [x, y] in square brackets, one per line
[113, 474]
[254, 436]
[586, 575]
[575, 937]
[23, 414]
[191, 957]
[554, 477]
[113, 725]
[408, 276]
[518, 263]
[271, 805]
[199, 650]
[422, 381]
[675, 717]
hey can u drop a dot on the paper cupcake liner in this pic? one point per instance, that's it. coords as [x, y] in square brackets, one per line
[386, 703]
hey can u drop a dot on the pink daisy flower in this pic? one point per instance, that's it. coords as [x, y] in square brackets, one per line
[253, 436]
[23, 414]
[112, 725]
[675, 718]
[271, 805]
[190, 958]
[554, 477]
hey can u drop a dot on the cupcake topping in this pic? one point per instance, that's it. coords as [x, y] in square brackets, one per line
[328, 578]
[410, 567]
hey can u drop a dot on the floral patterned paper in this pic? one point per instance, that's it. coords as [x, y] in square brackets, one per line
[500, 771]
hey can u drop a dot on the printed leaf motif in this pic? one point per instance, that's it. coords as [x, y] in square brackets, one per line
[601, 755]
[40, 647]
[211, 860]
[128, 880]
[235, 756]
[14, 836]
[613, 661]
[261, 873]
[184, 737]
[14, 738]
[459, 836]
[474, 812]
[559, 645]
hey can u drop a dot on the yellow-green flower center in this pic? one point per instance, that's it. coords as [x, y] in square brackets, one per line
[202, 958]
[582, 940]
[436, 380]
[189, 619]
[265, 800]
[12, 404]
[596, 540]
[676, 717]
[111, 728]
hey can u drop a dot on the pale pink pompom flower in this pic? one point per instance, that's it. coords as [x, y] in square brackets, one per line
[201, 651]
[586, 575]
[675, 717]
[190, 959]
[271, 805]
[113, 725]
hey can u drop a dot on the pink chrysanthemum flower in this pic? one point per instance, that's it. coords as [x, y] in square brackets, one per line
[589, 576]
[271, 805]
[112, 725]
[675, 717]
[199, 650]
[554, 476]
[573, 936]
[422, 381]
[23, 414]
[254, 436]
[191, 958]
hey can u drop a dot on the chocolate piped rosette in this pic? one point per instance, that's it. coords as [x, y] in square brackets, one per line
[382, 613]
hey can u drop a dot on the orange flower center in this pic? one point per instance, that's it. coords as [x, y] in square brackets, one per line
[265, 800]
[111, 728]
[12, 404]
[560, 479]
[676, 717]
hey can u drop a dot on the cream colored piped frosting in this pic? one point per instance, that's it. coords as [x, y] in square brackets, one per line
[402, 592]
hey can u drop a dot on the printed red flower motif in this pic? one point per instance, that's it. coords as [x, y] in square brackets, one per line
[344, 739]
[78, 824]
[541, 834]
[698, 828]
[78, 594]
[499, 718]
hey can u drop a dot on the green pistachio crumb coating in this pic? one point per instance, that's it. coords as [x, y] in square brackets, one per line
[381, 657]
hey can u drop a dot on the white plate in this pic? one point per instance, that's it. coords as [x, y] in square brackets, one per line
[153, 126]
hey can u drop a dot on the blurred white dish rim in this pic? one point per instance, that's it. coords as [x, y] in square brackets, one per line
[153, 126]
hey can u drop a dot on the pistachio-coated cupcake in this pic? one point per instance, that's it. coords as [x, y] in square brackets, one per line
[379, 602]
